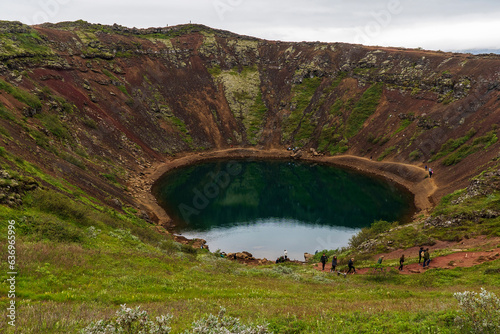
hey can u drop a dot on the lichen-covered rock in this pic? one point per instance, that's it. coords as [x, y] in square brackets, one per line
[11, 188]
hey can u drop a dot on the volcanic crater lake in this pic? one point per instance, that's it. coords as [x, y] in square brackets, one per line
[265, 207]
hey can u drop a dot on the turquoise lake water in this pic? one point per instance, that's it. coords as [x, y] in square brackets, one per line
[265, 207]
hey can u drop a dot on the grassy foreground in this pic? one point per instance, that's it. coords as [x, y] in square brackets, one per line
[78, 261]
[63, 286]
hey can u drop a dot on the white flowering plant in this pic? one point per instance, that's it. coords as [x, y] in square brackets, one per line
[223, 324]
[480, 312]
[130, 321]
[136, 321]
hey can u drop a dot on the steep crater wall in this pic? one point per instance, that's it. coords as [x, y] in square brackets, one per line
[98, 105]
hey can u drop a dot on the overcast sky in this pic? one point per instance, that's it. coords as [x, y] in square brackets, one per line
[430, 24]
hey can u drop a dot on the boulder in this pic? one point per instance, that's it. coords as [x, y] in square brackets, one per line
[314, 152]
[308, 256]
[244, 256]
[199, 243]
[296, 155]
[249, 255]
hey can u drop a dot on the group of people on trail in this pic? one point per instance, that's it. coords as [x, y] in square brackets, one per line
[401, 262]
[422, 254]
[350, 264]
[381, 258]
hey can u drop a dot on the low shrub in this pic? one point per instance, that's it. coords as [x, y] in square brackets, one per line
[366, 233]
[480, 312]
[130, 320]
[415, 155]
[61, 206]
[223, 324]
[49, 228]
[135, 321]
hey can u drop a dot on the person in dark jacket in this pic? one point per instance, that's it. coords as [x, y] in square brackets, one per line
[350, 264]
[427, 258]
[420, 254]
[323, 260]
[334, 264]
[401, 261]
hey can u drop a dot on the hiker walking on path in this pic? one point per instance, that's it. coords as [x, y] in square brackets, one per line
[420, 254]
[379, 263]
[334, 264]
[323, 260]
[430, 172]
[351, 266]
[427, 258]
[401, 261]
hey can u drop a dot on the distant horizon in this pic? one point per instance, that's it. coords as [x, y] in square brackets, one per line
[475, 51]
[445, 25]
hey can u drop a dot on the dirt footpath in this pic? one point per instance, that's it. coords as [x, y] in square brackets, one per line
[487, 250]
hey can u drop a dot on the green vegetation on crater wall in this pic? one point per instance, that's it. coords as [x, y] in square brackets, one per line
[304, 133]
[480, 143]
[303, 92]
[54, 125]
[365, 107]
[415, 155]
[308, 122]
[242, 92]
[386, 152]
[334, 139]
[215, 70]
[244, 46]
[25, 42]
[241, 51]
[63, 105]
[6, 114]
[453, 144]
[209, 47]
[336, 107]
[87, 37]
[179, 30]
[302, 95]
[24, 167]
[81, 25]
[336, 82]
[255, 119]
[124, 90]
[327, 132]
[92, 47]
[111, 75]
[181, 126]
[404, 124]
[466, 211]
[455, 150]
[21, 95]
[331, 140]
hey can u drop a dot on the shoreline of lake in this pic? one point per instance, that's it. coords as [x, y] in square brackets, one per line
[413, 178]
